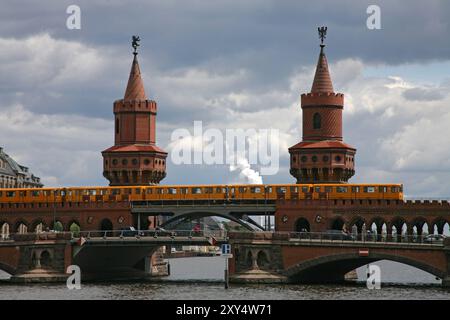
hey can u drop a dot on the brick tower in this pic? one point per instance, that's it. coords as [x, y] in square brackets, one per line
[134, 159]
[322, 156]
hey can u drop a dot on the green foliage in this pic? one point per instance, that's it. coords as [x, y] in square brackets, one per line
[75, 229]
[58, 226]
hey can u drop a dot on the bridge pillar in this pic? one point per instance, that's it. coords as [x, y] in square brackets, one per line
[389, 232]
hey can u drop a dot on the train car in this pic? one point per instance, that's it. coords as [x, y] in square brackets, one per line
[215, 193]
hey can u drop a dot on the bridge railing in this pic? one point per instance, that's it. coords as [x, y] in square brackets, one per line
[432, 239]
[105, 234]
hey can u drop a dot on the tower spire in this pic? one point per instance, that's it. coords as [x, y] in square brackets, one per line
[322, 80]
[135, 87]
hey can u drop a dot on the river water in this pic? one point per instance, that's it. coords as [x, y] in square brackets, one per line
[205, 273]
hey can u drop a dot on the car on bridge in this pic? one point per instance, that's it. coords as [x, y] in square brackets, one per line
[434, 238]
[337, 235]
[129, 232]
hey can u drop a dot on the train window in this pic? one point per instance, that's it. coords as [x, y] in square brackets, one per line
[328, 189]
[196, 190]
[341, 189]
[10, 194]
[137, 191]
[116, 191]
[35, 193]
[46, 193]
[92, 192]
[23, 193]
[281, 189]
[294, 189]
[394, 189]
[369, 189]
[355, 189]
[382, 189]
[305, 189]
[241, 189]
[172, 190]
[209, 190]
[316, 189]
[127, 191]
[218, 190]
[149, 190]
[160, 191]
[184, 190]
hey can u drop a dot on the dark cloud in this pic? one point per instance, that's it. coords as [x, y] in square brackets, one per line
[423, 94]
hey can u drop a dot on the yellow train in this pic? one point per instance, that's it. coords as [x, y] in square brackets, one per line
[203, 192]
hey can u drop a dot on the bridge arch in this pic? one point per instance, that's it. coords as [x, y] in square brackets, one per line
[106, 225]
[197, 214]
[4, 229]
[38, 225]
[337, 223]
[20, 226]
[359, 223]
[7, 268]
[438, 225]
[302, 225]
[418, 224]
[333, 268]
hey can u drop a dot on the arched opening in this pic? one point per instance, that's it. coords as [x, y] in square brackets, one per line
[38, 226]
[440, 226]
[302, 225]
[357, 227]
[399, 230]
[334, 268]
[21, 227]
[249, 260]
[106, 225]
[45, 259]
[4, 230]
[317, 121]
[262, 260]
[338, 224]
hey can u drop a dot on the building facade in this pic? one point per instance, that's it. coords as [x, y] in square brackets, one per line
[14, 175]
[135, 159]
[322, 156]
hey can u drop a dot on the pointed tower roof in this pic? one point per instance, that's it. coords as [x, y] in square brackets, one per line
[135, 88]
[322, 80]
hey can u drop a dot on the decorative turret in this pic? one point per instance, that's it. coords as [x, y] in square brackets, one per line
[134, 159]
[322, 156]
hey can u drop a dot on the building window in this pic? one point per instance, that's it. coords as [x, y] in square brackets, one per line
[124, 162]
[317, 121]
[314, 158]
[325, 158]
[146, 162]
[114, 162]
[134, 161]
[304, 158]
[338, 159]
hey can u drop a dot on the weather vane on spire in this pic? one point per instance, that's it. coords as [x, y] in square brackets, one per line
[322, 34]
[135, 43]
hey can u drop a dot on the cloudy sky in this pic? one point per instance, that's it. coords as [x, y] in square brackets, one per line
[231, 64]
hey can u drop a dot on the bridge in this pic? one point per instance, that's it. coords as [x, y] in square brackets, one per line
[387, 220]
[111, 254]
[292, 257]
